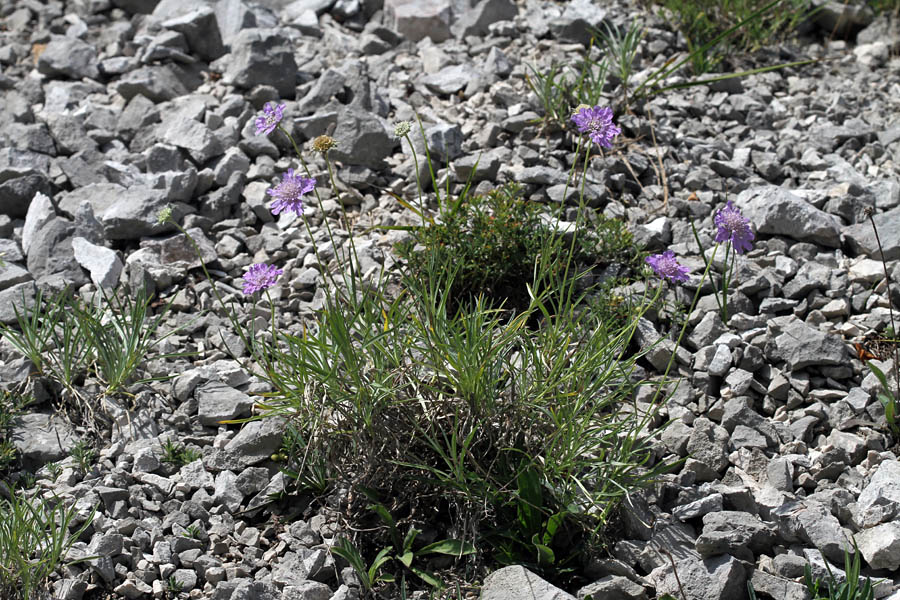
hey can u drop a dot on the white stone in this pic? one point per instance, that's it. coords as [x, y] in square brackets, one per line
[880, 545]
[103, 263]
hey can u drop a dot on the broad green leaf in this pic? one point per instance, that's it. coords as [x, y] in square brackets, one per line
[530, 500]
[545, 555]
[451, 547]
[406, 558]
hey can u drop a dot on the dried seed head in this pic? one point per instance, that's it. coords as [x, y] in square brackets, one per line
[323, 144]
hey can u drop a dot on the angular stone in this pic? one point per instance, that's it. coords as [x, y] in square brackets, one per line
[361, 140]
[862, 240]
[102, 263]
[517, 582]
[69, 57]
[201, 30]
[477, 19]
[726, 531]
[256, 441]
[709, 444]
[614, 587]
[778, 587]
[801, 346]
[18, 298]
[417, 19]
[775, 210]
[262, 57]
[882, 491]
[880, 545]
[192, 135]
[219, 402]
[714, 578]
[41, 438]
[51, 255]
[157, 83]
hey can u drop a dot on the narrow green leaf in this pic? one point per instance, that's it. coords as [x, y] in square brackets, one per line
[427, 577]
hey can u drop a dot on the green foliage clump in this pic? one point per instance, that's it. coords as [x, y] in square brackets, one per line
[11, 405]
[34, 539]
[703, 21]
[493, 244]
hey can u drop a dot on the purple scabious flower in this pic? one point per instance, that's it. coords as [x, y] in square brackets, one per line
[733, 227]
[259, 277]
[666, 266]
[289, 193]
[269, 120]
[597, 123]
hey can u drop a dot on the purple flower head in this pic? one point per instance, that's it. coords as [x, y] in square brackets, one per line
[259, 277]
[269, 120]
[289, 193]
[597, 123]
[733, 227]
[665, 265]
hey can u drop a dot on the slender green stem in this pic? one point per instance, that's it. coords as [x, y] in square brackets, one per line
[887, 281]
[705, 261]
[685, 324]
[727, 274]
[418, 182]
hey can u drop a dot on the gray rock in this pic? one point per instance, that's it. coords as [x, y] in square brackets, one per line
[262, 57]
[777, 587]
[133, 214]
[775, 210]
[841, 19]
[880, 545]
[201, 30]
[814, 524]
[307, 590]
[738, 412]
[361, 140]
[219, 402]
[720, 363]
[728, 532]
[450, 80]
[232, 17]
[157, 83]
[576, 20]
[102, 263]
[698, 508]
[801, 346]
[12, 274]
[613, 587]
[709, 444]
[16, 298]
[69, 57]
[40, 211]
[226, 493]
[191, 135]
[476, 19]
[444, 142]
[256, 441]
[516, 582]
[713, 578]
[22, 176]
[41, 438]
[706, 331]
[861, 237]
[417, 19]
[882, 491]
[329, 84]
[51, 255]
